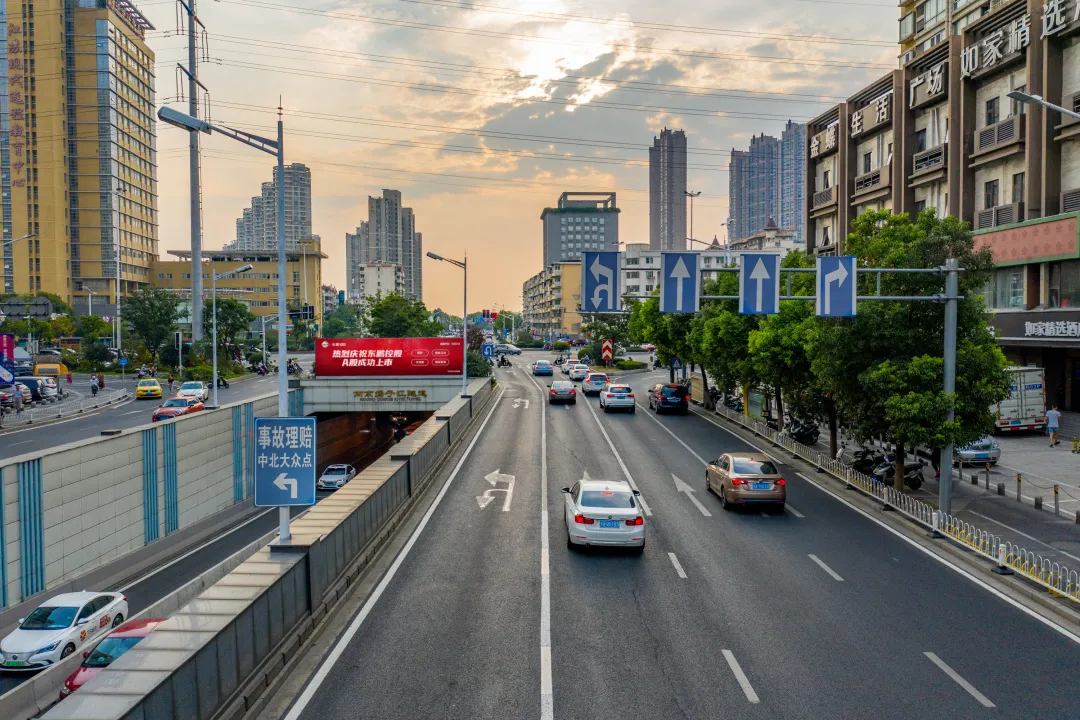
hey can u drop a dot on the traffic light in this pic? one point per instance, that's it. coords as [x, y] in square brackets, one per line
[178, 339]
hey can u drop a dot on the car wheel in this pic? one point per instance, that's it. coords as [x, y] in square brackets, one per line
[118, 620]
[573, 402]
[68, 649]
[569, 543]
[633, 409]
[723, 499]
[640, 550]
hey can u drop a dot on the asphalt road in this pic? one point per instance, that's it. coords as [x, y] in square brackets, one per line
[818, 612]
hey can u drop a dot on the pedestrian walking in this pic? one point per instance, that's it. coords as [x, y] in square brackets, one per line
[1053, 422]
[101, 380]
[170, 383]
[18, 399]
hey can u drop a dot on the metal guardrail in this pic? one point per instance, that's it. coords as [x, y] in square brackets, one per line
[1007, 556]
[56, 411]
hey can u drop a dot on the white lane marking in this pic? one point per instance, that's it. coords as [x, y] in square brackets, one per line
[678, 567]
[547, 696]
[343, 641]
[648, 414]
[983, 700]
[23, 442]
[793, 511]
[629, 477]
[955, 568]
[835, 576]
[131, 412]
[744, 683]
[1024, 534]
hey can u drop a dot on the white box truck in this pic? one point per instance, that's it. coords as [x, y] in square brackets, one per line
[1025, 406]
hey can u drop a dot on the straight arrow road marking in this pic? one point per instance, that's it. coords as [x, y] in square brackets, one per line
[744, 682]
[832, 573]
[682, 487]
[955, 676]
[678, 567]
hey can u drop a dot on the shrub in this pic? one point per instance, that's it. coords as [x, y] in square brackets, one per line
[622, 364]
[205, 373]
[255, 357]
[561, 346]
[477, 365]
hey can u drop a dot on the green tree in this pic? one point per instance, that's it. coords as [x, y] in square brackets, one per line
[524, 337]
[477, 365]
[883, 368]
[346, 321]
[475, 339]
[95, 355]
[151, 315]
[233, 318]
[394, 316]
[92, 327]
[62, 326]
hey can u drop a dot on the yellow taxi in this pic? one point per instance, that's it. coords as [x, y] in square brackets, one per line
[149, 388]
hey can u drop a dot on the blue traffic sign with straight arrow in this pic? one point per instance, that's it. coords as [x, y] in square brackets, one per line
[759, 284]
[600, 282]
[836, 286]
[680, 283]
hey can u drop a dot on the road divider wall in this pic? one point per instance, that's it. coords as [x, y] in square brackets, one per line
[80, 505]
[221, 652]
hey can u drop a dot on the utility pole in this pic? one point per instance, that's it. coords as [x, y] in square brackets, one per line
[195, 168]
[952, 282]
[691, 194]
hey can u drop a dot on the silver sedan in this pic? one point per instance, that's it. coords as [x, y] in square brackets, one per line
[617, 397]
[604, 513]
[982, 451]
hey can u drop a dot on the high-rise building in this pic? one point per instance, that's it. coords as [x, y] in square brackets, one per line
[79, 195]
[767, 182]
[581, 222]
[792, 216]
[738, 195]
[256, 228]
[388, 236]
[667, 191]
[764, 181]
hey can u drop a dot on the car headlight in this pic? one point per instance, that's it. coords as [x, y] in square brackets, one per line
[48, 648]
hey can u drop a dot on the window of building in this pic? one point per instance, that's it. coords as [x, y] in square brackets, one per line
[1064, 284]
[1006, 289]
[867, 162]
[1018, 187]
[825, 235]
[920, 140]
[992, 111]
[825, 181]
[920, 205]
[990, 194]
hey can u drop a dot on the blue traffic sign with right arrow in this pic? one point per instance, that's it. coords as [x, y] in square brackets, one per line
[836, 286]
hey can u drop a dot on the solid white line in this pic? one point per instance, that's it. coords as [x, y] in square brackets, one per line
[132, 412]
[1024, 534]
[678, 567]
[955, 568]
[826, 568]
[547, 697]
[629, 478]
[983, 700]
[793, 511]
[744, 683]
[343, 641]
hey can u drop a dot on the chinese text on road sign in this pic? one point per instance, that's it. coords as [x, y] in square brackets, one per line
[284, 461]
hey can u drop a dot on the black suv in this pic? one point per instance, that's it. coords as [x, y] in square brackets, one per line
[669, 396]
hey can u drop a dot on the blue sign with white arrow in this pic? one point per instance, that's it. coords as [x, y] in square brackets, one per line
[487, 350]
[680, 282]
[600, 282]
[284, 461]
[759, 284]
[836, 286]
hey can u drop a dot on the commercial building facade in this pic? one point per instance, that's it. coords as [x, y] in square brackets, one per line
[551, 301]
[943, 133]
[78, 165]
[329, 299]
[256, 229]
[667, 191]
[581, 222]
[388, 236]
[374, 280]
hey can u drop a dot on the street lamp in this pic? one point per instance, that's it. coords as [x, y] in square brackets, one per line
[213, 304]
[89, 300]
[463, 264]
[277, 149]
[1026, 99]
[692, 194]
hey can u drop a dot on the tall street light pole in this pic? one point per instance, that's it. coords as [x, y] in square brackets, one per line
[692, 194]
[277, 149]
[1022, 97]
[213, 314]
[463, 264]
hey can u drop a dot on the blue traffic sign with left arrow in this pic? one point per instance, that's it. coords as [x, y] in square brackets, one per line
[680, 282]
[600, 282]
[759, 284]
[284, 461]
[836, 286]
[488, 350]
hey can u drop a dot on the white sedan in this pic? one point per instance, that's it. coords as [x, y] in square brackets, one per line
[334, 476]
[603, 512]
[579, 372]
[616, 397]
[194, 389]
[60, 626]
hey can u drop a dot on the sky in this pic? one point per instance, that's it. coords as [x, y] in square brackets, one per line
[483, 113]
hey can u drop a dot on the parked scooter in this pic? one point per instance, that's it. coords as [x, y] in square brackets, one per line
[867, 459]
[804, 432]
[913, 474]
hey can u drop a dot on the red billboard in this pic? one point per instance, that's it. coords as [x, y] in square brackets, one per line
[382, 357]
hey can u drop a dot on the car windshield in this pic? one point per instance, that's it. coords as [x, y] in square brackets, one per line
[191, 386]
[50, 618]
[542, 363]
[561, 385]
[581, 367]
[598, 378]
[619, 390]
[985, 443]
[333, 471]
[607, 499]
[747, 466]
[669, 391]
[147, 383]
[175, 402]
[108, 650]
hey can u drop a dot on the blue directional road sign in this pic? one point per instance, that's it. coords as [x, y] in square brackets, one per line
[759, 284]
[123, 362]
[600, 282]
[680, 283]
[284, 461]
[488, 350]
[836, 286]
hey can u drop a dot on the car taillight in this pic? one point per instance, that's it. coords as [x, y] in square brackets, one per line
[573, 391]
[582, 520]
[631, 394]
[552, 392]
[738, 481]
[636, 521]
[609, 395]
[779, 481]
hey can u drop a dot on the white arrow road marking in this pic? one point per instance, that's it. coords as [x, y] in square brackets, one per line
[678, 274]
[839, 275]
[282, 482]
[494, 478]
[518, 402]
[682, 487]
[983, 700]
[744, 682]
[761, 274]
[599, 270]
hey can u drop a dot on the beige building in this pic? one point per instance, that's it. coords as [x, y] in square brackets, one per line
[551, 301]
[371, 280]
[258, 287]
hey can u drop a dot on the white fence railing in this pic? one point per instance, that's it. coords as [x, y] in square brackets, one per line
[1052, 575]
[104, 398]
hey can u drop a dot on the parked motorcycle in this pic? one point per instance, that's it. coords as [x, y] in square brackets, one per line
[913, 474]
[804, 432]
[867, 459]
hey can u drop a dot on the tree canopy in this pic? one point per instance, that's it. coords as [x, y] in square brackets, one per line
[394, 316]
[233, 318]
[151, 316]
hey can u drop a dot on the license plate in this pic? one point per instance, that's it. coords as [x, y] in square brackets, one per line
[762, 486]
[609, 523]
[982, 456]
[1015, 422]
[14, 663]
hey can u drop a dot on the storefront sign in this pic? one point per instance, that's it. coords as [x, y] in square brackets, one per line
[356, 357]
[824, 141]
[996, 46]
[1054, 239]
[394, 396]
[928, 85]
[1058, 14]
[1060, 328]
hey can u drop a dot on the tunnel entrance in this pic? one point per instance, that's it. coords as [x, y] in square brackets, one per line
[360, 438]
